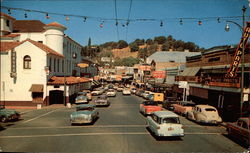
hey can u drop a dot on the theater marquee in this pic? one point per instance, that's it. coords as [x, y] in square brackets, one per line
[238, 53]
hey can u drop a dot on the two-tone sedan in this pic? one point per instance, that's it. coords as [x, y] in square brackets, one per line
[81, 99]
[84, 113]
[8, 114]
[165, 124]
[148, 107]
[111, 93]
[102, 101]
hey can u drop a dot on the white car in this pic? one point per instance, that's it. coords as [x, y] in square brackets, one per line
[97, 92]
[111, 93]
[165, 124]
[133, 90]
[204, 114]
[126, 91]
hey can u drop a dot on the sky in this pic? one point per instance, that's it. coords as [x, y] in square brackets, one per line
[209, 34]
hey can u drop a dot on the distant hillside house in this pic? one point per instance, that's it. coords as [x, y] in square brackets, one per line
[163, 60]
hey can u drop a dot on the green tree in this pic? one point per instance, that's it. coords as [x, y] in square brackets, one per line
[130, 61]
[134, 47]
[122, 44]
[160, 39]
[149, 42]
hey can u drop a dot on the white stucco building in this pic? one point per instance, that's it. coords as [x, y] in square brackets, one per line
[39, 63]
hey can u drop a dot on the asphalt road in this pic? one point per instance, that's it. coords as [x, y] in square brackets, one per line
[120, 128]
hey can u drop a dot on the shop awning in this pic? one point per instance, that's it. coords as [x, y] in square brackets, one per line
[190, 71]
[36, 88]
[96, 82]
[82, 65]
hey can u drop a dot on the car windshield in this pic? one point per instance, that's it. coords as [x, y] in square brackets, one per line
[85, 109]
[210, 110]
[150, 103]
[102, 97]
[81, 97]
[174, 120]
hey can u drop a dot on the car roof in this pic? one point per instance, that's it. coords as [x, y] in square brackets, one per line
[245, 119]
[85, 106]
[187, 102]
[165, 114]
[205, 106]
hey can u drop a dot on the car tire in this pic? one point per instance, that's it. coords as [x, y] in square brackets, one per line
[4, 119]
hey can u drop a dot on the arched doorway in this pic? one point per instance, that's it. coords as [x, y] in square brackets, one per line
[55, 97]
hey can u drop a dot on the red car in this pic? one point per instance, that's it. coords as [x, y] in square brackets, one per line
[148, 107]
[240, 130]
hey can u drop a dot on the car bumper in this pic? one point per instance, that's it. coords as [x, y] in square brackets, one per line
[80, 121]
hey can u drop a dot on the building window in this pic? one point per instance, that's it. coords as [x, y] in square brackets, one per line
[7, 23]
[55, 65]
[214, 59]
[62, 65]
[58, 61]
[27, 62]
[50, 64]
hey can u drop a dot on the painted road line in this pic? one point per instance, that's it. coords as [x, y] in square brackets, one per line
[99, 126]
[64, 127]
[95, 134]
[39, 116]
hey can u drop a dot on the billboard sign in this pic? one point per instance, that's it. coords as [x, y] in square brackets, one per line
[159, 74]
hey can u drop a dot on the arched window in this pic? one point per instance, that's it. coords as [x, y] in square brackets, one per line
[27, 62]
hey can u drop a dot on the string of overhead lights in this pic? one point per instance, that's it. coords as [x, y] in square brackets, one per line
[181, 20]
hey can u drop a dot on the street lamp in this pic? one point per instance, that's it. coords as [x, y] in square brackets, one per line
[227, 28]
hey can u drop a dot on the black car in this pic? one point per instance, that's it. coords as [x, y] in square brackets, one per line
[168, 103]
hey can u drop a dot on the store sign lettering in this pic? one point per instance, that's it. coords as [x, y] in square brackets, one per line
[238, 53]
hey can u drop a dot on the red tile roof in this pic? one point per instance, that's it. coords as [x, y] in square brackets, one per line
[6, 46]
[55, 24]
[45, 48]
[56, 80]
[12, 35]
[28, 26]
[7, 16]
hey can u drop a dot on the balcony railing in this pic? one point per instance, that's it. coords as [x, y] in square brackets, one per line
[188, 78]
[223, 82]
[211, 81]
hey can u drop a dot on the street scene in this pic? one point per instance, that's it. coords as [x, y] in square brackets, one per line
[125, 76]
[120, 128]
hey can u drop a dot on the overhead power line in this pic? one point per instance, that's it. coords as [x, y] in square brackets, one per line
[116, 19]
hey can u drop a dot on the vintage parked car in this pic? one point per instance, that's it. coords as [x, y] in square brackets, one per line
[126, 91]
[102, 101]
[148, 107]
[111, 93]
[133, 90]
[240, 130]
[168, 103]
[119, 89]
[8, 114]
[204, 114]
[88, 94]
[81, 100]
[97, 91]
[84, 113]
[182, 107]
[150, 96]
[165, 124]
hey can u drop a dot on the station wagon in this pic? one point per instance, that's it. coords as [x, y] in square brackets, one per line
[165, 124]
